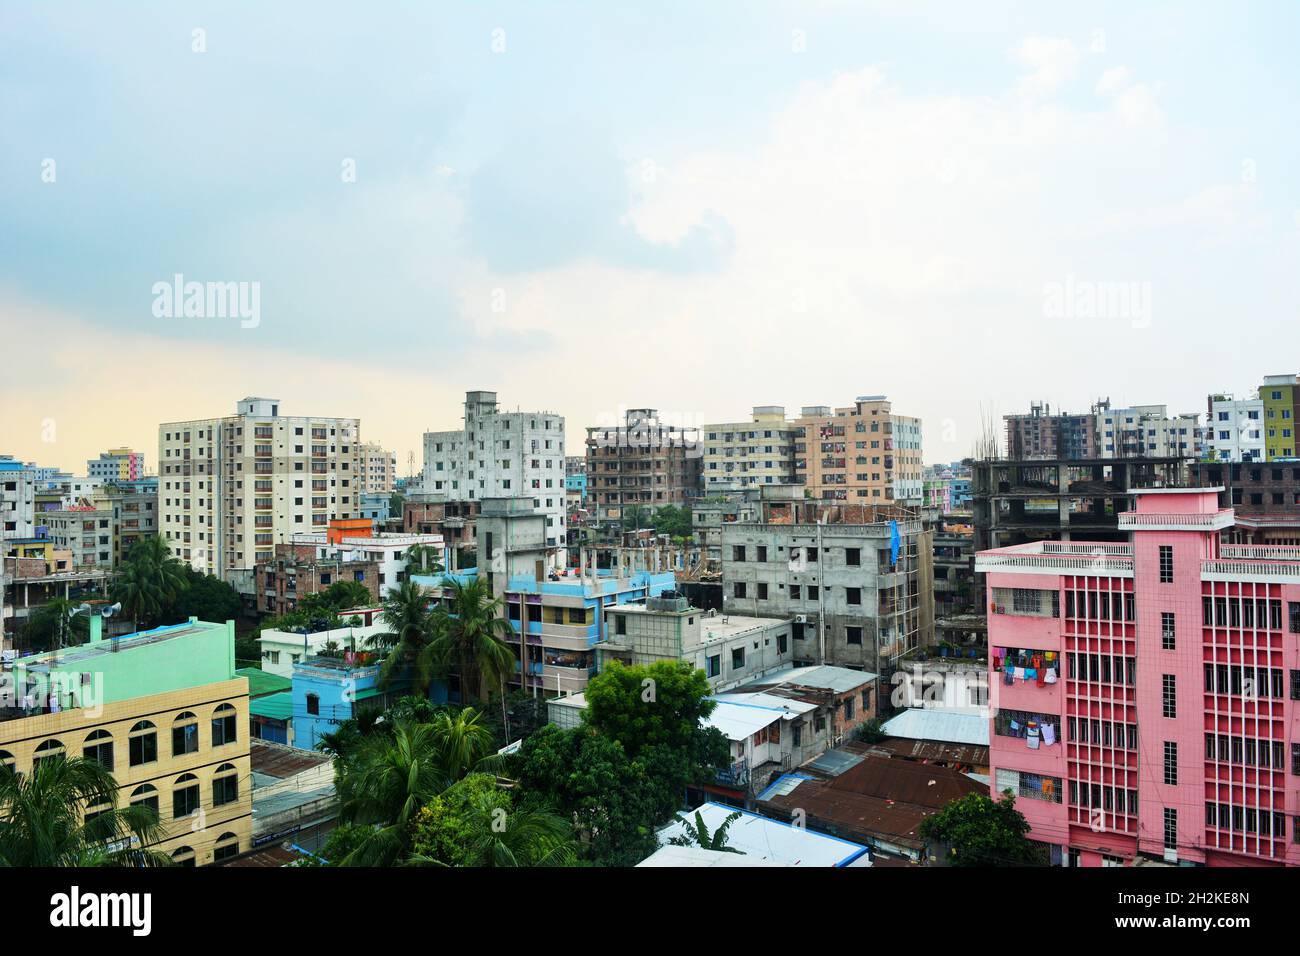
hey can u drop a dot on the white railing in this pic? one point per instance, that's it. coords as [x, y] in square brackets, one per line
[1067, 547]
[1265, 551]
[1151, 521]
[1236, 570]
[1054, 563]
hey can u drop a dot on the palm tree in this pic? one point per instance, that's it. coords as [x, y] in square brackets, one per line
[408, 638]
[42, 822]
[387, 781]
[522, 838]
[423, 559]
[697, 834]
[150, 578]
[470, 636]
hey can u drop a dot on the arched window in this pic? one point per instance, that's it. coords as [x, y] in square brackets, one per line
[224, 725]
[145, 795]
[7, 760]
[227, 845]
[225, 785]
[47, 750]
[143, 743]
[185, 734]
[184, 856]
[99, 748]
[185, 795]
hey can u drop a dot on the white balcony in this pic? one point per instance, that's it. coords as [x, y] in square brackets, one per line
[1275, 572]
[1197, 521]
[1033, 559]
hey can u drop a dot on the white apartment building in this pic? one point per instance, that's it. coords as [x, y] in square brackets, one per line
[378, 469]
[909, 466]
[1235, 430]
[17, 499]
[760, 451]
[230, 489]
[1147, 431]
[500, 454]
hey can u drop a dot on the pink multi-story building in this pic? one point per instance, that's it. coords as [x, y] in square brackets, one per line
[1145, 697]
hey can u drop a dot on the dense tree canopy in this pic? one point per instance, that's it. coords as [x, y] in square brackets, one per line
[981, 831]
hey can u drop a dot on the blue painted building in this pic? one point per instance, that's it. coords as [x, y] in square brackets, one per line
[326, 692]
[376, 505]
[563, 620]
[961, 494]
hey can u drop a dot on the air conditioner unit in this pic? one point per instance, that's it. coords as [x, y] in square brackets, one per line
[801, 618]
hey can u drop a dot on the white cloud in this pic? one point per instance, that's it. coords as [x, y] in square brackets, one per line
[1052, 62]
[1113, 80]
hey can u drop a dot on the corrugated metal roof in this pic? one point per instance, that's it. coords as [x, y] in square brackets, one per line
[273, 706]
[950, 726]
[693, 856]
[767, 839]
[260, 683]
[738, 722]
[768, 701]
[823, 677]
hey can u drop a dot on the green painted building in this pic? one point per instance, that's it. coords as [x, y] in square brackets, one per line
[109, 670]
[1281, 397]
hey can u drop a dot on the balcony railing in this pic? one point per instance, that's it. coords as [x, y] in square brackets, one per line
[1154, 521]
[1239, 570]
[1039, 563]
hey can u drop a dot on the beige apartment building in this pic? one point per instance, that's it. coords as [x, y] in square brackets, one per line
[378, 469]
[863, 451]
[739, 455]
[230, 489]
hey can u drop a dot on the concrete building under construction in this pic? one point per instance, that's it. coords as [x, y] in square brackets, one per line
[857, 581]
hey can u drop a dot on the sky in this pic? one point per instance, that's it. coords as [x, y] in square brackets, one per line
[696, 207]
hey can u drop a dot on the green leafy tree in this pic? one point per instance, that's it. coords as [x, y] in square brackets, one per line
[475, 823]
[148, 581]
[342, 595]
[672, 521]
[49, 626]
[656, 706]
[980, 831]
[42, 822]
[590, 780]
[697, 833]
[386, 781]
[204, 596]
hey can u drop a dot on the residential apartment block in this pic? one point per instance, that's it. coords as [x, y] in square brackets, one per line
[730, 649]
[1280, 396]
[117, 463]
[1234, 429]
[134, 509]
[502, 454]
[641, 463]
[863, 451]
[17, 499]
[760, 451]
[1146, 431]
[1143, 696]
[1040, 434]
[378, 468]
[85, 532]
[232, 488]
[163, 710]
